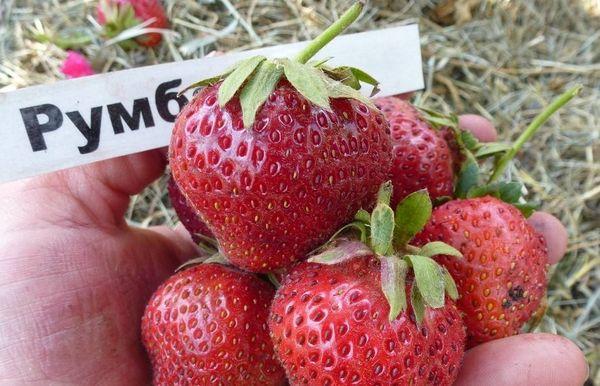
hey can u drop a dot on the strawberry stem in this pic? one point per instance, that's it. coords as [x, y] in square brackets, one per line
[533, 127]
[330, 33]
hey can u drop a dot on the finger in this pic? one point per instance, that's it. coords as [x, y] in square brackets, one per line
[179, 240]
[479, 126]
[107, 185]
[523, 360]
[554, 232]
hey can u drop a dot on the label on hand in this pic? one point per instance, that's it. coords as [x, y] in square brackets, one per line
[79, 121]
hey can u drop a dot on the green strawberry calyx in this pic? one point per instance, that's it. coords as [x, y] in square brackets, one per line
[387, 233]
[255, 78]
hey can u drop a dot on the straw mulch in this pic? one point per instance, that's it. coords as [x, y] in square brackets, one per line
[502, 59]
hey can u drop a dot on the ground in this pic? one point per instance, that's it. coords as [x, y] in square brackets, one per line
[503, 59]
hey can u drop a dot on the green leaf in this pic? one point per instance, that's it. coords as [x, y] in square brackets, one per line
[202, 83]
[336, 89]
[467, 178]
[449, 284]
[351, 77]
[344, 75]
[384, 195]
[527, 208]
[308, 81]
[320, 62]
[511, 191]
[393, 278]
[439, 248]
[343, 251]
[234, 81]
[364, 77]
[357, 225]
[429, 279]
[416, 300]
[382, 229]
[273, 279]
[363, 216]
[490, 149]
[412, 214]
[217, 258]
[468, 140]
[439, 120]
[257, 90]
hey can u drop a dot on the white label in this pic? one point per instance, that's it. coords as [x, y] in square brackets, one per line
[75, 122]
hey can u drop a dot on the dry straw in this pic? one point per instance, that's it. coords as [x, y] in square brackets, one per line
[502, 59]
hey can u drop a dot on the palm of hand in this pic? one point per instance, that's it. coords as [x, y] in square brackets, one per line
[74, 279]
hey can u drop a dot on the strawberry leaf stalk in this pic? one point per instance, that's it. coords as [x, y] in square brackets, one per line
[275, 155]
[470, 183]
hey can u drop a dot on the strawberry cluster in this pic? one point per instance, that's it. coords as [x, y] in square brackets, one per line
[350, 241]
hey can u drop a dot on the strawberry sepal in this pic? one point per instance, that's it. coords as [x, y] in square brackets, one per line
[387, 237]
[255, 78]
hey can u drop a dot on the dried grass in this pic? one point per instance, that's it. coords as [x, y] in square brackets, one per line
[499, 58]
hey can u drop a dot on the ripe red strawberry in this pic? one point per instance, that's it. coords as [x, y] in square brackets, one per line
[278, 156]
[421, 157]
[343, 316]
[208, 325]
[187, 215]
[330, 326]
[118, 15]
[502, 278]
[273, 193]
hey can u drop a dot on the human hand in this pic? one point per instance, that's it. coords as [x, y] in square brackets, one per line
[74, 278]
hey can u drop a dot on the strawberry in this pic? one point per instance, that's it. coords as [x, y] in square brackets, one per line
[503, 276]
[502, 280]
[276, 155]
[119, 15]
[343, 318]
[208, 325]
[330, 327]
[187, 215]
[421, 157]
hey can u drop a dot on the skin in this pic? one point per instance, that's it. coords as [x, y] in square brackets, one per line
[74, 279]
